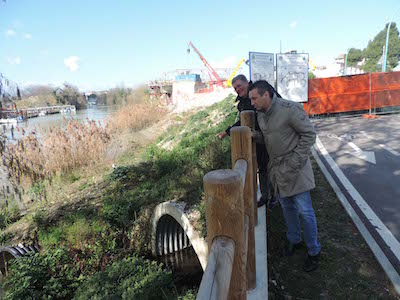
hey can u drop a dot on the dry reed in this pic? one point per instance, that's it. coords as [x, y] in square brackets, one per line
[41, 154]
[59, 150]
[135, 117]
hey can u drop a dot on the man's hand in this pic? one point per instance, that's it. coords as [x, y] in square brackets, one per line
[221, 135]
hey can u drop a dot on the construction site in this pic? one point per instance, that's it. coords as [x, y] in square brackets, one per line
[184, 84]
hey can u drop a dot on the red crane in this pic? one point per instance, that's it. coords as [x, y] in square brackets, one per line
[217, 80]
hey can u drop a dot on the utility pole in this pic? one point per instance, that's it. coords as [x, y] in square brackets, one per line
[387, 42]
[386, 46]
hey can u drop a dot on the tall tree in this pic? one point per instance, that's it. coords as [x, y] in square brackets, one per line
[374, 50]
[70, 95]
[354, 56]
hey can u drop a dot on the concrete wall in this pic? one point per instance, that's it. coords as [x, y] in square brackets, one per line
[183, 90]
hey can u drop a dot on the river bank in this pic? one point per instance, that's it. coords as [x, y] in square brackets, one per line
[94, 220]
[101, 213]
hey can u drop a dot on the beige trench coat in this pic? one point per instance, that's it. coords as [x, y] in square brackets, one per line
[288, 135]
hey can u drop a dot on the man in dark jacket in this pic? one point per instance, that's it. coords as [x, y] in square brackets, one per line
[241, 86]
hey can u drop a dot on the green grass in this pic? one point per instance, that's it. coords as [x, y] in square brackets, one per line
[171, 174]
[348, 268]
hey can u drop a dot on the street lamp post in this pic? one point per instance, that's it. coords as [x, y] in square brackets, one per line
[345, 62]
[386, 48]
[387, 42]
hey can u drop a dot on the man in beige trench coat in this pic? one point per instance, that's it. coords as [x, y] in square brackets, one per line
[288, 136]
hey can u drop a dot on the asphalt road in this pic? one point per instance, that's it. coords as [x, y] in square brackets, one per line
[363, 158]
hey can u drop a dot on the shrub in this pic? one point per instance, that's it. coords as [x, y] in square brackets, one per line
[35, 276]
[188, 295]
[37, 190]
[3, 220]
[9, 213]
[131, 278]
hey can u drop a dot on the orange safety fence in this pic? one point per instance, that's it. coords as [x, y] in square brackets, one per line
[353, 93]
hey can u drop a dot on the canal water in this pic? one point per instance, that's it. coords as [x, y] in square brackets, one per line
[96, 113]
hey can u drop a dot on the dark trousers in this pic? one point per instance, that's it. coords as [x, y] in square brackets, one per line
[262, 162]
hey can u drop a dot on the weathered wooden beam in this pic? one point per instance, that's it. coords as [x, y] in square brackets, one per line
[247, 118]
[241, 138]
[217, 276]
[225, 217]
[241, 168]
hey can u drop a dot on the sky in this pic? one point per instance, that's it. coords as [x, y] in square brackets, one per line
[97, 45]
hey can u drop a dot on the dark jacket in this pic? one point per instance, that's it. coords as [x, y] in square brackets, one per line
[244, 104]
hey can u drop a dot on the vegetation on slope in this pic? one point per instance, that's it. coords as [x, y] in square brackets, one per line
[94, 230]
[88, 228]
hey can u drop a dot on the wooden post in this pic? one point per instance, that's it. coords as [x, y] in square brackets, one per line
[225, 217]
[242, 149]
[217, 276]
[247, 118]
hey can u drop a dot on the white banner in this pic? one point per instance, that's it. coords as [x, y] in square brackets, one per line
[292, 76]
[261, 67]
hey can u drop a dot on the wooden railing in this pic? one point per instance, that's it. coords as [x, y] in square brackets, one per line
[231, 207]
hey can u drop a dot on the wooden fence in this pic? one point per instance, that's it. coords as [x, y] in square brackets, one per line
[231, 207]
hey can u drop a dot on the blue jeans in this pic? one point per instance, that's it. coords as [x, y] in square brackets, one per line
[291, 207]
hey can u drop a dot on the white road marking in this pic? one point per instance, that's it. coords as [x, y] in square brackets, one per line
[377, 223]
[365, 155]
[381, 257]
[387, 148]
[394, 152]
[366, 135]
[368, 156]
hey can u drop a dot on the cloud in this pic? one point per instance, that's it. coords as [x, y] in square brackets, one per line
[14, 60]
[72, 63]
[17, 24]
[293, 24]
[10, 33]
[27, 36]
[240, 37]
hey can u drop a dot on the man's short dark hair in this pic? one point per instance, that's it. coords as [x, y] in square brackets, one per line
[262, 86]
[240, 77]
